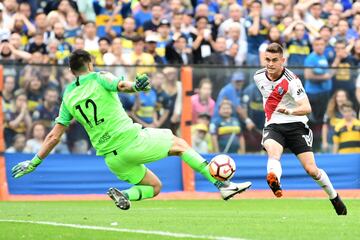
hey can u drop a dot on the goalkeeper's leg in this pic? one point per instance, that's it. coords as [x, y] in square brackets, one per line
[148, 187]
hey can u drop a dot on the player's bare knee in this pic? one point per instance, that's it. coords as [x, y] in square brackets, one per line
[179, 146]
[157, 188]
[312, 170]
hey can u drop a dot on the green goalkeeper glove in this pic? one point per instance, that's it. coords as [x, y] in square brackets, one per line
[142, 83]
[25, 167]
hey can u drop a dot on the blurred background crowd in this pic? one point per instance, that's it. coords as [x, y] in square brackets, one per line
[224, 43]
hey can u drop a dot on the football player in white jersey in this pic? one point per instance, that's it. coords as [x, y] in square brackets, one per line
[286, 106]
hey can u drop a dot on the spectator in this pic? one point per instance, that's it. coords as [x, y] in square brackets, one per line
[355, 51]
[63, 48]
[10, 8]
[202, 101]
[347, 131]
[232, 92]
[151, 41]
[176, 51]
[104, 47]
[46, 112]
[143, 14]
[311, 10]
[235, 12]
[86, 9]
[73, 28]
[333, 21]
[318, 83]
[4, 29]
[9, 54]
[139, 57]
[173, 88]
[18, 145]
[344, 77]
[19, 120]
[257, 29]
[226, 131]
[42, 26]
[219, 57]
[37, 137]
[144, 110]
[8, 98]
[110, 12]
[358, 92]
[128, 34]
[163, 104]
[276, 20]
[163, 33]
[176, 24]
[37, 45]
[91, 40]
[252, 101]
[344, 33]
[79, 43]
[329, 52]
[233, 37]
[152, 25]
[116, 57]
[298, 45]
[274, 35]
[34, 92]
[332, 117]
[187, 26]
[198, 138]
[202, 41]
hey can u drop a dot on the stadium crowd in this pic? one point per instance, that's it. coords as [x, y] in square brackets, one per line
[228, 38]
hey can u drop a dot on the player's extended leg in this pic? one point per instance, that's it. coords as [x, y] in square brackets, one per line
[274, 170]
[199, 164]
[307, 159]
[148, 187]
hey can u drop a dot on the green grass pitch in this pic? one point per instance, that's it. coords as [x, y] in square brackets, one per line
[248, 219]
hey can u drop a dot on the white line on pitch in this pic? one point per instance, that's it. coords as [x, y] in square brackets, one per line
[139, 231]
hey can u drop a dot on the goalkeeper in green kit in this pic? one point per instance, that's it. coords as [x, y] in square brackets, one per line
[93, 101]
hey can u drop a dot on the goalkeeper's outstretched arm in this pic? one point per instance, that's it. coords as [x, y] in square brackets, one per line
[142, 83]
[51, 140]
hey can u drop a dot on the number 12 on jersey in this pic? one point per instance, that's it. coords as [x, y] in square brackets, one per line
[87, 105]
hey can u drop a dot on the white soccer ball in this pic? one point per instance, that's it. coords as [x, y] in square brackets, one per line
[222, 167]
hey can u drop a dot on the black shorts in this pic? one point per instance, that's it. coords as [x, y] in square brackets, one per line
[296, 136]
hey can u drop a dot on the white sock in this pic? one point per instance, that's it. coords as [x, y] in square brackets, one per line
[323, 180]
[273, 165]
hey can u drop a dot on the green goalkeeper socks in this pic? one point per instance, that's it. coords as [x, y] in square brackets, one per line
[139, 192]
[198, 163]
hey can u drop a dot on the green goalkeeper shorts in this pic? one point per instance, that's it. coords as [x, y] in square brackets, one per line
[127, 162]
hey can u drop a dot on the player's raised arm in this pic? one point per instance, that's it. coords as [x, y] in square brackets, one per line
[142, 83]
[51, 140]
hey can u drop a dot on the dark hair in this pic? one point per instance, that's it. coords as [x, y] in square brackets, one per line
[318, 39]
[137, 39]
[104, 39]
[325, 27]
[346, 104]
[78, 59]
[275, 48]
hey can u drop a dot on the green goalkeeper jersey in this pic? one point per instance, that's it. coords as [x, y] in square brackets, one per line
[93, 101]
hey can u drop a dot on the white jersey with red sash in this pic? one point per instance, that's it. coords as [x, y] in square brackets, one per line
[283, 92]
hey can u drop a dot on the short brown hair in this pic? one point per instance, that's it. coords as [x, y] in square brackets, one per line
[275, 48]
[346, 104]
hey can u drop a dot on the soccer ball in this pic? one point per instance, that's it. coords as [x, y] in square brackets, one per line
[222, 167]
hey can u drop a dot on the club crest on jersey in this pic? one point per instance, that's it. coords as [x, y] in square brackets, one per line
[280, 90]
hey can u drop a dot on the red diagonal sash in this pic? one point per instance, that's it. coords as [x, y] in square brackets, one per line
[275, 98]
